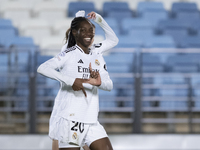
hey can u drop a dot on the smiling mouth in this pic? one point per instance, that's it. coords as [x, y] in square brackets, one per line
[87, 39]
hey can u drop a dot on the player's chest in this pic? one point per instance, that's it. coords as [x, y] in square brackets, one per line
[79, 66]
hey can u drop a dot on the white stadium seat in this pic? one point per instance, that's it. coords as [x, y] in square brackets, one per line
[61, 26]
[15, 11]
[36, 28]
[50, 11]
[51, 45]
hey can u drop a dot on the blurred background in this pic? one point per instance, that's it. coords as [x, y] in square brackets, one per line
[155, 69]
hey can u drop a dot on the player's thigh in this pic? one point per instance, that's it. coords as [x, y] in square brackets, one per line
[101, 144]
[85, 147]
[55, 145]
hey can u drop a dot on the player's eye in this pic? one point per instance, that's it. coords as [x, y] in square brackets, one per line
[83, 30]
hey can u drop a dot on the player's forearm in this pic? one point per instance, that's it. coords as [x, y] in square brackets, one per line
[106, 82]
[49, 71]
[87, 86]
[111, 38]
[106, 85]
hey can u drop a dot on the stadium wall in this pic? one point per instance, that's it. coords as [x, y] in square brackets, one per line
[119, 142]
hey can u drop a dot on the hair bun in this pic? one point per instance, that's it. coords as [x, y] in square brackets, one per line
[80, 13]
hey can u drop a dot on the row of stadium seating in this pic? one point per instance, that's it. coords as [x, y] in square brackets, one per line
[151, 25]
[145, 29]
[175, 86]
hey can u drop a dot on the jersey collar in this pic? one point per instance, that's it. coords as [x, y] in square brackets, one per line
[80, 49]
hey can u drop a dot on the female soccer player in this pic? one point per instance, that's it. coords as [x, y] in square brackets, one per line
[110, 41]
[76, 105]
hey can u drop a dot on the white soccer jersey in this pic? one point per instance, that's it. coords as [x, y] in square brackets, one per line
[110, 41]
[74, 63]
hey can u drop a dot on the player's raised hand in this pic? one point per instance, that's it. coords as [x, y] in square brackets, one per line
[91, 15]
[93, 74]
[78, 85]
[95, 78]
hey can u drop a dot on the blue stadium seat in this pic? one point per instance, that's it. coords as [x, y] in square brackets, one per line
[147, 92]
[178, 35]
[196, 94]
[4, 62]
[138, 24]
[107, 102]
[120, 14]
[194, 27]
[22, 62]
[20, 41]
[6, 34]
[119, 62]
[141, 33]
[183, 63]
[22, 81]
[185, 68]
[173, 92]
[108, 93]
[74, 7]
[151, 63]
[154, 17]
[119, 58]
[5, 23]
[23, 102]
[115, 7]
[121, 81]
[174, 105]
[184, 6]
[41, 79]
[191, 42]
[194, 80]
[129, 41]
[22, 92]
[119, 68]
[162, 41]
[175, 79]
[150, 7]
[4, 67]
[172, 24]
[188, 16]
[107, 98]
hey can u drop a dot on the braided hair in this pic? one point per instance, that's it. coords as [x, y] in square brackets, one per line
[75, 25]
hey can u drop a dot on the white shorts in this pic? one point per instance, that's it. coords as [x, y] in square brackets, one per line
[66, 137]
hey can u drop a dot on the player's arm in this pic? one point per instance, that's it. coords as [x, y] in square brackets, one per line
[106, 82]
[50, 67]
[111, 38]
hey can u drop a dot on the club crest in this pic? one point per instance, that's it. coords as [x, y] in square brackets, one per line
[75, 136]
[97, 62]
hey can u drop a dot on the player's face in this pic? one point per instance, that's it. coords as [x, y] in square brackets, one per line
[85, 34]
[93, 37]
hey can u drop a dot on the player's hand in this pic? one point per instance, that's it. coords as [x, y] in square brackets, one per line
[96, 79]
[78, 85]
[91, 15]
[93, 74]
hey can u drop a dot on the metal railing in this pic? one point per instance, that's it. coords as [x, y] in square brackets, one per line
[24, 92]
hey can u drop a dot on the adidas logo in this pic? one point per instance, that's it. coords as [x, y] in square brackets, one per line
[80, 61]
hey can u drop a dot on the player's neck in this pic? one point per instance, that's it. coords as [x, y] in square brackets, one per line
[85, 49]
